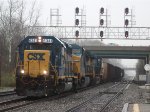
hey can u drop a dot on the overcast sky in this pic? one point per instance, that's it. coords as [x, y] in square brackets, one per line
[115, 9]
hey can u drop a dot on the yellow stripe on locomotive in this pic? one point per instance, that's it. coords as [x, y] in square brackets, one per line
[36, 62]
[76, 63]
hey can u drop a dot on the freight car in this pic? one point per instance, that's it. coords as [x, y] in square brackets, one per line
[110, 72]
[46, 65]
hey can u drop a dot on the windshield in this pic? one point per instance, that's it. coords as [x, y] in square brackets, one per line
[36, 47]
[39, 47]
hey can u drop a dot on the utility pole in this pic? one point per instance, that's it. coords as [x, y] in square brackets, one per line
[0, 68]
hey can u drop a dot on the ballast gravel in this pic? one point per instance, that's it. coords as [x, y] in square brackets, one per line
[131, 95]
[134, 94]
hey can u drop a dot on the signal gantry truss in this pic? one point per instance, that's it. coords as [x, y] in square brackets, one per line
[92, 32]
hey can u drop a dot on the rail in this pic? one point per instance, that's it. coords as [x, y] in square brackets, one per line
[24, 101]
[7, 93]
[100, 94]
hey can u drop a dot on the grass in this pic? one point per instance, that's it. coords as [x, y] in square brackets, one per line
[8, 80]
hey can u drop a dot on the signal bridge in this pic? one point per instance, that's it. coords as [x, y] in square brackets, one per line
[92, 32]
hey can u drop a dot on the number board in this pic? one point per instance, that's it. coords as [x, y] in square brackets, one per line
[43, 40]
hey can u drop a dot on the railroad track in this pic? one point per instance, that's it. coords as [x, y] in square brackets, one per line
[112, 99]
[21, 102]
[87, 103]
[9, 104]
[24, 101]
[7, 93]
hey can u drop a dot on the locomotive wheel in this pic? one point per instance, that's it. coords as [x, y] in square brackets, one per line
[59, 88]
[75, 85]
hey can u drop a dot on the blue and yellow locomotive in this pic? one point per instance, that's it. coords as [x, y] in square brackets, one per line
[46, 65]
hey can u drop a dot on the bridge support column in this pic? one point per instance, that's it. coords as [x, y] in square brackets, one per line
[148, 72]
[147, 86]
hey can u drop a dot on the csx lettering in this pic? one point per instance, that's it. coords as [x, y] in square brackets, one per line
[36, 56]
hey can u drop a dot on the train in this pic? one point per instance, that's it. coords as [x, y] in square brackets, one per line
[47, 65]
[111, 73]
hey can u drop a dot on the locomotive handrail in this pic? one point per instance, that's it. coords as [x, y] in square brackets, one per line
[73, 61]
[55, 76]
[20, 65]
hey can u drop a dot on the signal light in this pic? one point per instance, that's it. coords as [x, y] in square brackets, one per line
[126, 34]
[101, 33]
[77, 22]
[126, 11]
[101, 22]
[126, 22]
[102, 10]
[77, 10]
[77, 33]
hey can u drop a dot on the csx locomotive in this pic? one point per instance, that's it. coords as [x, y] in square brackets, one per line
[46, 65]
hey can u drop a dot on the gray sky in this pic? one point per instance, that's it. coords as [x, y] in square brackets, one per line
[115, 9]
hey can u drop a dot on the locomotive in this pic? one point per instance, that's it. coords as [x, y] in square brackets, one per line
[48, 65]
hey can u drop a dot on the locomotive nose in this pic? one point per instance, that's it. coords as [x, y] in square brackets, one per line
[36, 62]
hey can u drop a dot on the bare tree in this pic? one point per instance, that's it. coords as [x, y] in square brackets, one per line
[14, 20]
[33, 18]
[7, 16]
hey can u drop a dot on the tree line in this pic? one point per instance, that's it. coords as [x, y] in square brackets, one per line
[15, 18]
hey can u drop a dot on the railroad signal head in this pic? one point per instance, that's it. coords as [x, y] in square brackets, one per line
[102, 10]
[126, 22]
[77, 33]
[101, 22]
[77, 22]
[126, 34]
[126, 11]
[101, 33]
[77, 10]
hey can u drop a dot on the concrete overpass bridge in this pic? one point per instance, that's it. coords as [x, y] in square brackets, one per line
[124, 52]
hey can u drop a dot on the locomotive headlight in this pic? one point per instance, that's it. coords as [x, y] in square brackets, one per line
[45, 72]
[22, 71]
[39, 39]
